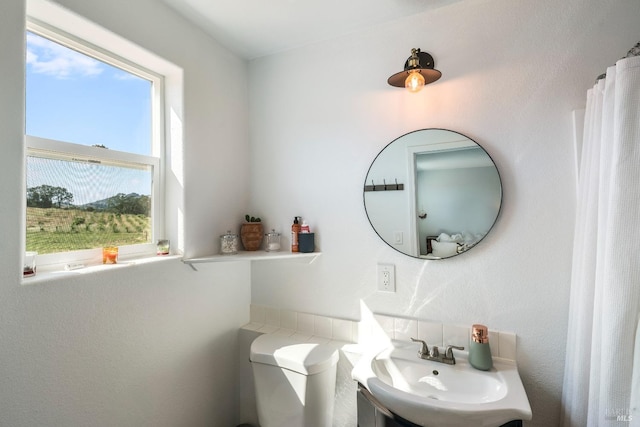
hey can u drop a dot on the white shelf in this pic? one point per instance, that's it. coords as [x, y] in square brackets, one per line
[253, 256]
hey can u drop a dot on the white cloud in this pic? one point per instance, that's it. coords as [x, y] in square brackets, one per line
[47, 57]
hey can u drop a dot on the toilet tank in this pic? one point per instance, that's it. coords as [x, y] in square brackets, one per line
[294, 381]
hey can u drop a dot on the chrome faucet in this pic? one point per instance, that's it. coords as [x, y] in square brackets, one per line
[423, 353]
[435, 355]
[448, 354]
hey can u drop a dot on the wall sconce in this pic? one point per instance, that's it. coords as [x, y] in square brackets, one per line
[418, 72]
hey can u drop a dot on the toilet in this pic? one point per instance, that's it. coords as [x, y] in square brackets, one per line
[294, 381]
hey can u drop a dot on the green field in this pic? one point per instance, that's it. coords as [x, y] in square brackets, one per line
[57, 230]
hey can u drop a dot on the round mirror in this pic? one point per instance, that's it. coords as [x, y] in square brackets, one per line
[432, 194]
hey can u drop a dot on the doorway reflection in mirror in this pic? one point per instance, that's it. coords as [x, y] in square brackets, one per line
[450, 177]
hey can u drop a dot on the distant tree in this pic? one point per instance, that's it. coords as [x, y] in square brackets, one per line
[61, 196]
[46, 196]
[134, 204]
[39, 197]
[142, 206]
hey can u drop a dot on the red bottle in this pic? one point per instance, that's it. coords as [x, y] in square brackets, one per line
[295, 229]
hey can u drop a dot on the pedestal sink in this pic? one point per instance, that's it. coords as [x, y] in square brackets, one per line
[429, 393]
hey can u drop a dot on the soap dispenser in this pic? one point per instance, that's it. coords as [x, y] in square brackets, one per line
[479, 350]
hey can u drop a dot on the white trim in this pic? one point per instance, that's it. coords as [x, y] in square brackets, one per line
[84, 47]
[459, 143]
[52, 275]
[46, 148]
[57, 16]
[414, 243]
[52, 149]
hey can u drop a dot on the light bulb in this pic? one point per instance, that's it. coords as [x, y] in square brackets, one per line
[414, 81]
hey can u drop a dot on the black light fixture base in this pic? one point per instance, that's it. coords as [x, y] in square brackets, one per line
[424, 66]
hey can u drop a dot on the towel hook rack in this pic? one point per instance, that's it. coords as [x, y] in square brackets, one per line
[384, 186]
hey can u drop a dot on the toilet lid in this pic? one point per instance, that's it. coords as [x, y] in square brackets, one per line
[303, 357]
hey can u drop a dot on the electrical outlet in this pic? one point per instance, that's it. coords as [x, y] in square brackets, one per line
[386, 277]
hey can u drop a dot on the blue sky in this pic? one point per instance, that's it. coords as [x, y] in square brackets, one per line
[74, 98]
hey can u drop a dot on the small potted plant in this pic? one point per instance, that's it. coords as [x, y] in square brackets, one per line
[251, 233]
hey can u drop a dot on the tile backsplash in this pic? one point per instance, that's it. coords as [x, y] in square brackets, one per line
[305, 326]
[503, 344]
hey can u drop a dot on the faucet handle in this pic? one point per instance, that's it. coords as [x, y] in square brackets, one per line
[424, 350]
[434, 351]
[449, 352]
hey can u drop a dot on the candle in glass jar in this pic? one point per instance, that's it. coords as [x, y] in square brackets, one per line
[273, 241]
[229, 243]
[163, 247]
[29, 264]
[110, 255]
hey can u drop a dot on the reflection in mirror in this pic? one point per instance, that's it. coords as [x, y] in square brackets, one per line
[432, 194]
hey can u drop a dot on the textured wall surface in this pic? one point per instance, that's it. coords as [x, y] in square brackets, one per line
[149, 345]
[156, 344]
[512, 74]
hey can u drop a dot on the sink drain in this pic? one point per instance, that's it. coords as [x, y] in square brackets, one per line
[435, 372]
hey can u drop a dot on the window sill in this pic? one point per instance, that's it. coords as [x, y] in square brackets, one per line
[51, 275]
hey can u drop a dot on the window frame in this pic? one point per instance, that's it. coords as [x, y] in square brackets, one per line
[48, 148]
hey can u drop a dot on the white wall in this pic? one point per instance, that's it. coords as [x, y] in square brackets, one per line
[155, 344]
[150, 345]
[512, 74]
[457, 201]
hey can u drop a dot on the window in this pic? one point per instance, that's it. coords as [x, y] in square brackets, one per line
[94, 151]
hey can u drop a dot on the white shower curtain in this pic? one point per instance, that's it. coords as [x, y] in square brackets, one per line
[602, 366]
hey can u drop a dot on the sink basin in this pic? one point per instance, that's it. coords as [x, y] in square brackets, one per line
[429, 393]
